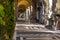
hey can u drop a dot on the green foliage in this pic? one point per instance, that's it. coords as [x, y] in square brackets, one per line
[2, 15]
[7, 19]
[1, 21]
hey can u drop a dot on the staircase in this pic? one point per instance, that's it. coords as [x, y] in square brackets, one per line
[35, 32]
[39, 37]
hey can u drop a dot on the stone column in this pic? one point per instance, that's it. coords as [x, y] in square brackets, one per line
[51, 15]
[34, 10]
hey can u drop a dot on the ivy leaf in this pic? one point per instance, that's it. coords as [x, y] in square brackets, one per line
[1, 7]
[1, 21]
[1, 10]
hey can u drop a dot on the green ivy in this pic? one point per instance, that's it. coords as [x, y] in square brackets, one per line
[1, 21]
[2, 15]
[7, 19]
